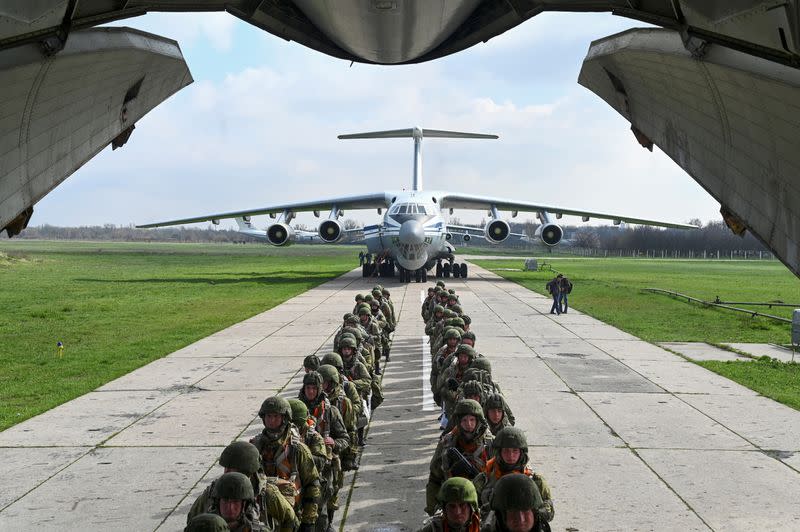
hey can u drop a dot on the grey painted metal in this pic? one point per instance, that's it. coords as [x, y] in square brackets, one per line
[796, 327]
[58, 112]
[712, 304]
[730, 120]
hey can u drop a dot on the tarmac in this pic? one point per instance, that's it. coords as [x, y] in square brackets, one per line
[629, 435]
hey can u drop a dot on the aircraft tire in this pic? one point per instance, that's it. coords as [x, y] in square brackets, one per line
[464, 270]
[418, 276]
[424, 276]
[438, 270]
[446, 270]
[363, 270]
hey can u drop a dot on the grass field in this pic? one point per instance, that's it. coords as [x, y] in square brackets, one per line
[118, 306]
[611, 291]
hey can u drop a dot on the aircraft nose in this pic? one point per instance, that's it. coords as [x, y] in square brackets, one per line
[411, 232]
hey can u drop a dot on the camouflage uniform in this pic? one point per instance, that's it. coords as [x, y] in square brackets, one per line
[374, 331]
[332, 383]
[457, 490]
[496, 468]
[288, 463]
[475, 448]
[451, 377]
[515, 492]
[496, 401]
[236, 486]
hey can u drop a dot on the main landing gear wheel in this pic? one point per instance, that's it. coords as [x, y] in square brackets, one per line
[424, 275]
[438, 270]
[446, 270]
[464, 271]
[456, 271]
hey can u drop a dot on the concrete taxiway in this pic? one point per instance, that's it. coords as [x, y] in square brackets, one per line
[630, 436]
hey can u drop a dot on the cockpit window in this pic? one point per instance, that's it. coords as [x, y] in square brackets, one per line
[421, 209]
[403, 209]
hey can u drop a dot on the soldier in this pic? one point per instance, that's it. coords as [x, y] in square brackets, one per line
[330, 425]
[467, 390]
[467, 322]
[355, 371]
[495, 411]
[511, 457]
[286, 460]
[386, 309]
[462, 452]
[233, 500]
[359, 302]
[436, 315]
[468, 337]
[426, 305]
[459, 508]
[380, 318]
[243, 457]
[364, 356]
[452, 338]
[332, 385]
[374, 330]
[450, 378]
[310, 363]
[516, 507]
[207, 523]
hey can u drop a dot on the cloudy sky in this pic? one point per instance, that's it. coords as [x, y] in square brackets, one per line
[259, 126]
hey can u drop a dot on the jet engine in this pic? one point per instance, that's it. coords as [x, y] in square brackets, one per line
[466, 237]
[550, 233]
[280, 234]
[330, 231]
[497, 231]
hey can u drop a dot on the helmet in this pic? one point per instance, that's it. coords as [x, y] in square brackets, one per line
[241, 456]
[455, 322]
[385, 292]
[438, 308]
[377, 292]
[354, 331]
[329, 373]
[364, 309]
[374, 303]
[481, 363]
[469, 335]
[468, 350]
[467, 319]
[299, 411]
[277, 405]
[457, 309]
[494, 401]
[311, 361]
[313, 378]
[348, 341]
[348, 316]
[351, 319]
[472, 388]
[468, 407]
[458, 489]
[368, 298]
[207, 523]
[440, 283]
[377, 287]
[452, 333]
[516, 492]
[332, 359]
[510, 438]
[451, 291]
[233, 486]
[449, 313]
[359, 297]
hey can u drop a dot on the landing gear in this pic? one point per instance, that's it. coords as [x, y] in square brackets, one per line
[424, 275]
[456, 271]
[418, 276]
[438, 269]
[446, 270]
[463, 271]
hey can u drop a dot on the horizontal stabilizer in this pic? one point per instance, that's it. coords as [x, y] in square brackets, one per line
[416, 132]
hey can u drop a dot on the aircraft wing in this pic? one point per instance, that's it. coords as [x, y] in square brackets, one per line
[464, 201]
[366, 201]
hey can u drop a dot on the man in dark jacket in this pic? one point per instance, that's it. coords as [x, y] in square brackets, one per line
[554, 287]
[566, 288]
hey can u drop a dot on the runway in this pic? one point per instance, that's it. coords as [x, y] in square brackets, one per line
[629, 435]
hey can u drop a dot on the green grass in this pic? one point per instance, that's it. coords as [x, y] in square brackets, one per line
[119, 306]
[777, 380]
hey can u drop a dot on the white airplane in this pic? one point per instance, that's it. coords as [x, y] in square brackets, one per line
[413, 237]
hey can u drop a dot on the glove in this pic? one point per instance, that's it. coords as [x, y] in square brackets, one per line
[452, 384]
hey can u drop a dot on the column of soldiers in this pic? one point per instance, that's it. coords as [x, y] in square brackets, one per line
[288, 477]
[479, 477]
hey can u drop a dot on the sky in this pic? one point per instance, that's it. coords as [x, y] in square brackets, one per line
[259, 124]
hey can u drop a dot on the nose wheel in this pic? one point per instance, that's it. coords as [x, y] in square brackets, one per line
[420, 275]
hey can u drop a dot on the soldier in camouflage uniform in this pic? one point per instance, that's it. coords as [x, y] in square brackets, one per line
[462, 452]
[273, 509]
[452, 338]
[452, 376]
[458, 512]
[425, 311]
[356, 372]
[439, 340]
[516, 506]
[494, 408]
[286, 461]
[375, 331]
[364, 356]
[436, 315]
[359, 302]
[311, 363]
[233, 499]
[330, 425]
[511, 457]
[207, 523]
[332, 385]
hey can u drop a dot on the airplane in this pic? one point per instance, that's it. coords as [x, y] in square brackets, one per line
[246, 227]
[414, 235]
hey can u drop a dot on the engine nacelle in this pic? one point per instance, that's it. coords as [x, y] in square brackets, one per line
[466, 237]
[280, 235]
[330, 231]
[551, 234]
[497, 231]
[448, 236]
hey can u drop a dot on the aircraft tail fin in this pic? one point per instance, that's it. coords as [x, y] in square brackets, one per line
[417, 134]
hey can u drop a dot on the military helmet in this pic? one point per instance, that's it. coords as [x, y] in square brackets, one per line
[467, 319]
[510, 438]
[431, 289]
[469, 335]
[457, 309]
[207, 523]
[449, 313]
[374, 304]
[471, 374]
[299, 411]
[242, 456]
[494, 401]
[468, 407]
[516, 492]
[455, 322]
[313, 378]
[468, 350]
[348, 316]
[329, 374]
[234, 486]
[368, 298]
[377, 287]
[471, 388]
[385, 292]
[348, 341]
[440, 283]
[451, 291]
[359, 297]
[311, 361]
[481, 363]
[438, 308]
[452, 333]
[376, 292]
[277, 405]
[352, 319]
[333, 359]
[355, 332]
[364, 309]
[458, 489]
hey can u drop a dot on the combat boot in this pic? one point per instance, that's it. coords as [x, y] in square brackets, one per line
[330, 521]
[361, 442]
